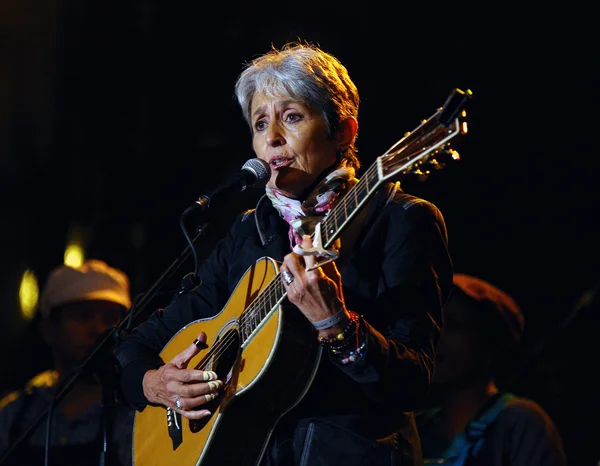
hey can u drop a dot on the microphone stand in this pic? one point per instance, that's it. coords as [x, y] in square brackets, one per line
[100, 358]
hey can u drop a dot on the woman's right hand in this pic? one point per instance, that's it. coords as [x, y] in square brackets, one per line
[182, 389]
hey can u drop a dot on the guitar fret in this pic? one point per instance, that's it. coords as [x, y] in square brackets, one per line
[345, 203]
[325, 229]
[246, 324]
[255, 319]
[272, 296]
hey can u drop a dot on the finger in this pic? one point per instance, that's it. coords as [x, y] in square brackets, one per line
[198, 395]
[183, 359]
[292, 265]
[310, 259]
[201, 389]
[330, 269]
[194, 413]
[310, 263]
[306, 242]
[189, 407]
[202, 399]
[177, 377]
[188, 404]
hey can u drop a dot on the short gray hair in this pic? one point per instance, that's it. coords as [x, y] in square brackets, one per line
[304, 72]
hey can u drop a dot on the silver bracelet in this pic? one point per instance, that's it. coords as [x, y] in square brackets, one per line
[330, 321]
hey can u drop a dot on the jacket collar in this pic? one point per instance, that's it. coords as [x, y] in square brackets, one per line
[265, 217]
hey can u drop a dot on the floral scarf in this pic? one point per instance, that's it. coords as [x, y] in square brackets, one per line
[304, 216]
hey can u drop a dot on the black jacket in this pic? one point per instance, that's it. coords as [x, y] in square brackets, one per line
[397, 277]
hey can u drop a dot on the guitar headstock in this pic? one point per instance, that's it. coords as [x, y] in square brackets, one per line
[429, 146]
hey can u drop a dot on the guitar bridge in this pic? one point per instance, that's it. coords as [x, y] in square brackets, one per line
[174, 426]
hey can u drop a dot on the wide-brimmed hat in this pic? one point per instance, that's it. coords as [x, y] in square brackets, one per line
[93, 280]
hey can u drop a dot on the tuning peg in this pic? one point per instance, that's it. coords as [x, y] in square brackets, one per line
[422, 175]
[455, 155]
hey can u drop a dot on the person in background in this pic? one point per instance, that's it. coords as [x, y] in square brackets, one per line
[363, 328]
[78, 305]
[469, 420]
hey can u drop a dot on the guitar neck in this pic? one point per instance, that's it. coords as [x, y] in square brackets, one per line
[347, 208]
[411, 154]
[403, 157]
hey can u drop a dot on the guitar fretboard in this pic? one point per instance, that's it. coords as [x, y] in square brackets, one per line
[331, 227]
[261, 307]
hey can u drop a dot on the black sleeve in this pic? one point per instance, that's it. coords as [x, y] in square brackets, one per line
[406, 316]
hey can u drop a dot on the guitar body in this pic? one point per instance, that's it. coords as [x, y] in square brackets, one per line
[264, 378]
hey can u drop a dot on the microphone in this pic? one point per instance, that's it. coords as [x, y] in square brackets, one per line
[254, 173]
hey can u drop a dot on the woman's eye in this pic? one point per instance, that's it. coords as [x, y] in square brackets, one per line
[293, 117]
[260, 125]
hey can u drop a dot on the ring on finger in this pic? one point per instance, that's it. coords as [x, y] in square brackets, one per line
[287, 277]
[178, 403]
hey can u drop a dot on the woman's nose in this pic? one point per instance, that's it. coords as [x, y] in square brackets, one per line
[275, 135]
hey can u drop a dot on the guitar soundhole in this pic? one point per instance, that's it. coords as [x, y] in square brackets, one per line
[226, 350]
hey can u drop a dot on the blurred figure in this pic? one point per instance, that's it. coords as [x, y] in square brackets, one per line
[470, 420]
[77, 307]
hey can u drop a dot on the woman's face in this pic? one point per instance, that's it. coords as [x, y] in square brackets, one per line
[292, 138]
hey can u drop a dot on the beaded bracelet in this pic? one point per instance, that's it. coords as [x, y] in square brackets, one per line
[353, 355]
[348, 353]
[344, 335]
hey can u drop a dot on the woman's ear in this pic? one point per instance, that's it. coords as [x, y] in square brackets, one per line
[346, 132]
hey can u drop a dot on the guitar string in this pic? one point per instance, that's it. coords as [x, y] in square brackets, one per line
[225, 343]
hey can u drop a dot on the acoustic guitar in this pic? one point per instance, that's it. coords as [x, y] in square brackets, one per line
[264, 349]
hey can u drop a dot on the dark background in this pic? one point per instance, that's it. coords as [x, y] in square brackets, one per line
[117, 115]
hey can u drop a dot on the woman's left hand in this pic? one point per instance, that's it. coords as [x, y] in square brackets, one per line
[318, 293]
